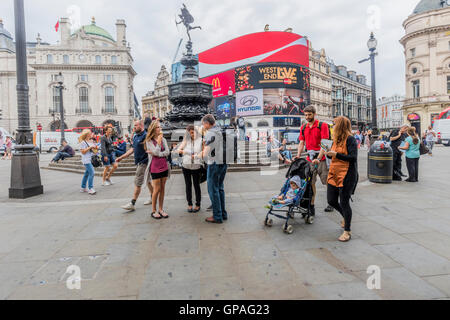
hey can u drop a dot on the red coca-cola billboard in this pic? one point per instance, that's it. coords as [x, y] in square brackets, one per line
[261, 47]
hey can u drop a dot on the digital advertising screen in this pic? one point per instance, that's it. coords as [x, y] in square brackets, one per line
[274, 75]
[222, 83]
[250, 103]
[285, 101]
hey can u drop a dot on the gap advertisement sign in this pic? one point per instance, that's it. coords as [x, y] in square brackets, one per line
[250, 103]
[275, 75]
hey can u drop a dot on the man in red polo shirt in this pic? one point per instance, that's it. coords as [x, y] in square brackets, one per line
[311, 134]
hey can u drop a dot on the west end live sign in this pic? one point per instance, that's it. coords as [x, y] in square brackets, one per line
[259, 76]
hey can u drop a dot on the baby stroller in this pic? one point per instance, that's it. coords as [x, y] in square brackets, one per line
[301, 204]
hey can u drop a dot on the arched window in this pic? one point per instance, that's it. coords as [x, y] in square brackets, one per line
[98, 59]
[84, 99]
[49, 59]
[109, 99]
[56, 100]
[65, 59]
[263, 123]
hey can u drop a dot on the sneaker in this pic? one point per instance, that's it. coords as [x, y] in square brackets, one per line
[92, 191]
[84, 190]
[129, 206]
[329, 209]
[110, 182]
[106, 183]
[210, 208]
[148, 202]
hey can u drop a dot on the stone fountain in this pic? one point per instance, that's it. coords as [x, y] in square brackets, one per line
[190, 97]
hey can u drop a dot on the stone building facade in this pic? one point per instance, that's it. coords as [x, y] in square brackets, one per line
[427, 53]
[156, 103]
[389, 112]
[98, 79]
[351, 96]
[320, 80]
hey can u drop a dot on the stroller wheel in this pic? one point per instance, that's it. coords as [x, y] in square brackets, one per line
[289, 229]
[309, 220]
[268, 222]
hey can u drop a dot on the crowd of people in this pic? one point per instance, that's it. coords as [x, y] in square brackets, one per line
[336, 166]
[151, 156]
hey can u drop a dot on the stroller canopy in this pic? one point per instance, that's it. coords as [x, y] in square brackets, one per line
[300, 167]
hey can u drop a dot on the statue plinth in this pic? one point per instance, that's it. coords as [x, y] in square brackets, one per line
[190, 98]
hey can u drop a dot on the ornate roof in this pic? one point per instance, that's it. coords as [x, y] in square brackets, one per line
[95, 30]
[6, 40]
[430, 5]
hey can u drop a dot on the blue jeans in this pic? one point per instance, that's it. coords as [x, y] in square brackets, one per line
[287, 154]
[61, 156]
[215, 177]
[88, 176]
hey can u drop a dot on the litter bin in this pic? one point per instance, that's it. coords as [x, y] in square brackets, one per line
[380, 163]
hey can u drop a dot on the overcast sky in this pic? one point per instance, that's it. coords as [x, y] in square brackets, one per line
[341, 27]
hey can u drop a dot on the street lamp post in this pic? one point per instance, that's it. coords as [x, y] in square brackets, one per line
[60, 80]
[372, 45]
[25, 174]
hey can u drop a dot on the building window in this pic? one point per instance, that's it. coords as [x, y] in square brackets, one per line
[448, 84]
[109, 78]
[84, 99]
[56, 100]
[416, 88]
[414, 70]
[83, 78]
[98, 59]
[114, 60]
[49, 59]
[109, 99]
[65, 59]
[413, 52]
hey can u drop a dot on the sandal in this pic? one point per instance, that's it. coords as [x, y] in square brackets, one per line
[196, 210]
[190, 209]
[162, 215]
[345, 237]
[154, 217]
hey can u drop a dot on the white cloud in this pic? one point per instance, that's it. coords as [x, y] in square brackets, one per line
[337, 26]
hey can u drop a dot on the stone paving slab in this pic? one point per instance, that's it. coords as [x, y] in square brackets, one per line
[402, 228]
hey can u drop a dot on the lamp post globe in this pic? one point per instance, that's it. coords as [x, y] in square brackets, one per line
[60, 79]
[372, 43]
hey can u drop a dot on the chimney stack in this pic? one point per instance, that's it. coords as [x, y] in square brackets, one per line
[121, 33]
[65, 30]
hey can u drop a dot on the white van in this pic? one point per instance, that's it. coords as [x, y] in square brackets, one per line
[444, 130]
[51, 141]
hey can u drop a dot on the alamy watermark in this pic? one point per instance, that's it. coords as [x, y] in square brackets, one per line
[374, 280]
[73, 282]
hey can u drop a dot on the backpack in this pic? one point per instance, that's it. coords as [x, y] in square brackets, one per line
[318, 127]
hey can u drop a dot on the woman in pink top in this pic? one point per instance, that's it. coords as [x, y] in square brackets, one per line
[158, 151]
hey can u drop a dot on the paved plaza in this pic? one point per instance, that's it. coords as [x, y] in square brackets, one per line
[402, 228]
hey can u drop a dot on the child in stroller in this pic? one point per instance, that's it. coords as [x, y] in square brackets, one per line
[296, 185]
[295, 196]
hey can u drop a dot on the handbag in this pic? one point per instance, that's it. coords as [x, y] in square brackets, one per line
[423, 148]
[96, 160]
